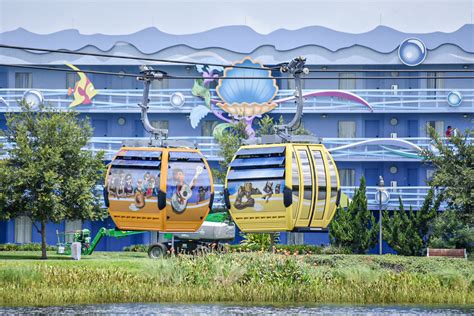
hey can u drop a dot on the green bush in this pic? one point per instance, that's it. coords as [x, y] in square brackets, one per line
[136, 248]
[292, 249]
[25, 247]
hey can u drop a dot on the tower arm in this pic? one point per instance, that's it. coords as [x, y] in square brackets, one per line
[109, 233]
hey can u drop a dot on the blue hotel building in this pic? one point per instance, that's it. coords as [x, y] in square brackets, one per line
[398, 58]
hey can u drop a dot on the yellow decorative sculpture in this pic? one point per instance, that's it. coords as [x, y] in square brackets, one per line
[83, 91]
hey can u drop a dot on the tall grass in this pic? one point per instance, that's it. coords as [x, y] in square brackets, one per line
[237, 277]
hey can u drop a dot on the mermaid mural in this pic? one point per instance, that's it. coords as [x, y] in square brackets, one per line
[242, 99]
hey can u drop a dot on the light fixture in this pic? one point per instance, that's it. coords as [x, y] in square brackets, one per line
[324, 68]
[465, 66]
[465, 115]
[412, 52]
[121, 121]
[324, 115]
[121, 74]
[393, 121]
[454, 98]
[393, 169]
[177, 100]
[33, 98]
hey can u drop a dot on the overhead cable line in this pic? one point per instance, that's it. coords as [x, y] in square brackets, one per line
[171, 61]
[60, 51]
[167, 76]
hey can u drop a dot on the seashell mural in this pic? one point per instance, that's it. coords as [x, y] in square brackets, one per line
[247, 97]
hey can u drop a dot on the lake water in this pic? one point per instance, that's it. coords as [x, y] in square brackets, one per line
[220, 309]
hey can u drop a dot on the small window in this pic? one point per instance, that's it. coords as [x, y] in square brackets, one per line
[434, 81]
[133, 182]
[346, 129]
[295, 238]
[23, 227]
[322, 184]
[187, 181]
[208, 127]
[71, 227]
[308, 184]
[291, 84]
[347, 177]
[160, 84]
[429, 174]
[240, 174]
[23, 80]
[160, 124]
[333, 176]
[437, 125]
[347, 81]
[71, 79]
[258, 161]
[296, 185]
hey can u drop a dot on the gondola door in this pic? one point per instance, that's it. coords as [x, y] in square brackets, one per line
[323, 182]
[307, 184]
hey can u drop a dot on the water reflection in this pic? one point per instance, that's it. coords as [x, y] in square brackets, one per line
[216, 309]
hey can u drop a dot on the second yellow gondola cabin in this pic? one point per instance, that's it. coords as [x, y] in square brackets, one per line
[282, 187]
[159, 189]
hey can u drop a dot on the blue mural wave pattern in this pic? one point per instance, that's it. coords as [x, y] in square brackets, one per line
[241, 39]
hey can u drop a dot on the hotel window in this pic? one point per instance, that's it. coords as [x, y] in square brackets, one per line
[346, 129]
[160, 84]
[437, 125]
[23, 227]
[429, 175]
[161, 124]
[347, 177]
[23, 80]
[71, 79]
[347, 81]
[434, 81]
[72, 226]
[208, 127]
[295, 238]
[292, 86]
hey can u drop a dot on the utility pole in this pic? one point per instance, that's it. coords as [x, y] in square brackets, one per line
[380, 191]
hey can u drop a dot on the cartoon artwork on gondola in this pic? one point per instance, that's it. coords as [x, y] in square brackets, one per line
[256, 194]
[135, 186]
[187, 185]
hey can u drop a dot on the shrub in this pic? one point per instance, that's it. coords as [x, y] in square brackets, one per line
[25, 247]
[136, 248]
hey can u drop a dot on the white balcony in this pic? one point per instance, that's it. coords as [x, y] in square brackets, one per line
[411, 197]
[210, 148]
[382, 100]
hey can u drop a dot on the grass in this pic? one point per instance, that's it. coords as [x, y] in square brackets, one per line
[234, 277]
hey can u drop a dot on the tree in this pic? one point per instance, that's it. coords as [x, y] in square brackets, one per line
[401, 233]
[453, 177]
[355, 227]
[47, 176]
[408, 233]
[450, 232]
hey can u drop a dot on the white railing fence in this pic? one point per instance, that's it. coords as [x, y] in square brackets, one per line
[382, 100]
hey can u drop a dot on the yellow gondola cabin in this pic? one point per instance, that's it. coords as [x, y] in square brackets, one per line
[160, 189]
[282, 187]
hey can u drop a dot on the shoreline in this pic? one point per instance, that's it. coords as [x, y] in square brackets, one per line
[255, 278]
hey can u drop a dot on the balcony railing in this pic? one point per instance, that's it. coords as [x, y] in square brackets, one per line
[382, 100]
[411, 197]
[210, 148]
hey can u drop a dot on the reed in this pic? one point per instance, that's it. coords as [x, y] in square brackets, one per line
[235, 277]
